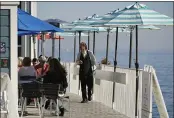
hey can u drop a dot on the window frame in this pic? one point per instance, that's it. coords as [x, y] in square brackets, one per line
[9, 38]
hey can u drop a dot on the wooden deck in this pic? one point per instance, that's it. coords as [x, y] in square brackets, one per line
[80, 110]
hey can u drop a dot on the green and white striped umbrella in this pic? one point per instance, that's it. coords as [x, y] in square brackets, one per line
[87, 21]
[74, 28]
[70, 34]
[136, 15]
[104, 19]
[139, 14]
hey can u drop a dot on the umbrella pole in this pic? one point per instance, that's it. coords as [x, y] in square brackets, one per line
[94, 43]
[115, 65]
[34, 45]
[53, 44]
[74, 46]
[38, 46]
[137, 77]
[59, 47]
[42, 41]
[88, 39]
[107, 46]
[79, 51]
[79, 39]
[130, 50]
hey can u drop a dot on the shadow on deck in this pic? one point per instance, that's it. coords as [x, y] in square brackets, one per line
[78, 110]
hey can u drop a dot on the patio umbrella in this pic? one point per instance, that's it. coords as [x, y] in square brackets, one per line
[81, 29]
[27, 22]
[56, 22]
[86, 22]
[150, 27]
[21, 33]
[70, 34]
[134, 15]
[74, 35]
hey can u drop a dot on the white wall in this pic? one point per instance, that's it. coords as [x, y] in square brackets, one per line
[13, 48]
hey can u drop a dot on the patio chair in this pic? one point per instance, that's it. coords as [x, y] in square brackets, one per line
[56, 94]
[31, 90]
[22, 80]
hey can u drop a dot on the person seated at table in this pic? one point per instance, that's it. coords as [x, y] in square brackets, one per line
[49, 58]
[20, 62]
[27, 69]
[57, 75]
[34, 61]
[41, 68]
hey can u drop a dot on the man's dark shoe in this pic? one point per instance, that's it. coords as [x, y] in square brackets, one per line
[84, 101]
[89, 98]
[62, 111]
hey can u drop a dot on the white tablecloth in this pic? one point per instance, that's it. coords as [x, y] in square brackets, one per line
[6, 85]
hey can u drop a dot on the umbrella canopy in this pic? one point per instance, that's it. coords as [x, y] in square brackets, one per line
[55, 21]
[73, 28]
[21, 33]
[27, 22]
[139, 14]
[88, 20]
[104, 19]
[70, 34]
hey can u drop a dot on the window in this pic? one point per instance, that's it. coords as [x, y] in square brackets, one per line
[5, 40]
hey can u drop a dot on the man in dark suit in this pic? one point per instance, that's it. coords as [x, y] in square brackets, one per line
[87, 62]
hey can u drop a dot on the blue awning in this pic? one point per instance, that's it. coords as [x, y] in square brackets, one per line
[26, 22]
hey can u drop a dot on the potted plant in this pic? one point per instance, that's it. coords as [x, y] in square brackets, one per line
[103, 61]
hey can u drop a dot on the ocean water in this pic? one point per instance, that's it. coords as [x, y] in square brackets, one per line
[162, 62]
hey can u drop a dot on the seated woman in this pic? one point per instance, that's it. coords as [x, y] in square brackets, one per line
[41, 68]
[26, 72]
[26, 69]
[57, 75]
[20, 59]
[34, 62]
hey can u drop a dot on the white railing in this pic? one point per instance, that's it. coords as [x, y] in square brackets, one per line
[124, 88]
[155, 87]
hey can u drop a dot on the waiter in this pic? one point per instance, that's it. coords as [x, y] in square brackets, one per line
[87, 62]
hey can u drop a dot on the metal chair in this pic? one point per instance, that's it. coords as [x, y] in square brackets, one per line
[22, 80]
[55, 93]
[31, 90]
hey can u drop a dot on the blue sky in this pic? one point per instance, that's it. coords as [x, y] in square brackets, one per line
[149, 41]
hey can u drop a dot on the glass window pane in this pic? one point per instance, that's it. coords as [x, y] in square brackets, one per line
[5, 40]
[4, 31]
[4, 12]
[5, 70]
[4, 20]
[6, 53]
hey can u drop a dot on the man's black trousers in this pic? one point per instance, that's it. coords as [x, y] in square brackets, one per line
[86, 86]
